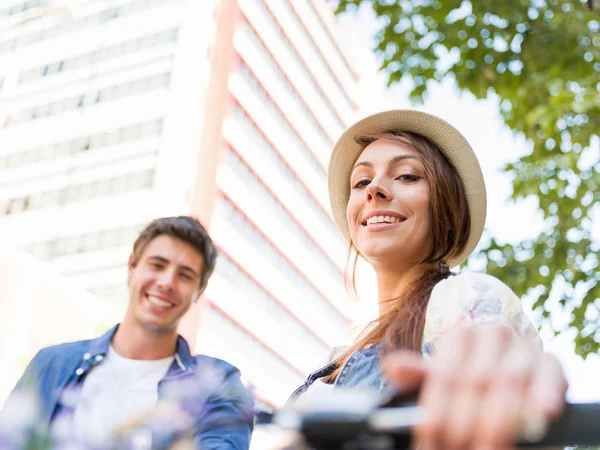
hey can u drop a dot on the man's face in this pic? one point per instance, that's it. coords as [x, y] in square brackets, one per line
[163, 283]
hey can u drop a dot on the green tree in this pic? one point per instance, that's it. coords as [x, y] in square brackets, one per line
[542, 59]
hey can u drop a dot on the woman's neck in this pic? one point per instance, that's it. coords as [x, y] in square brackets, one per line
[392, 283]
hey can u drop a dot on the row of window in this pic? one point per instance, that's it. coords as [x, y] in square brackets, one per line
[92, 98]
[84, 243]
[22, 7]
[264, 302]
[317, 51]
[85, 191]
[229, 212]
[84, 22]
[300, 64]
[250, 34]
[267, 152]
[282, 121]
[121, 135]
[101, 54]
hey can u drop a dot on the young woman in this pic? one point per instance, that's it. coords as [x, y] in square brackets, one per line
[408, 194]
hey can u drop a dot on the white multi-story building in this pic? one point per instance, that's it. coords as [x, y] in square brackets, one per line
[115, 112]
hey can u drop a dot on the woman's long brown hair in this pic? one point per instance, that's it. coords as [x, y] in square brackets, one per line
[402, 326]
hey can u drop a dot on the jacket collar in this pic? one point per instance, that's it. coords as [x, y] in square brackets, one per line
[183, 356]
[99, 346]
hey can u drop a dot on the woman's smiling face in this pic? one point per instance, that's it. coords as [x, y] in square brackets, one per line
[388, 210]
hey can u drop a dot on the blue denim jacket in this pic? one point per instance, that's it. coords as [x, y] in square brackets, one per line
[362, 370]
[222, 415]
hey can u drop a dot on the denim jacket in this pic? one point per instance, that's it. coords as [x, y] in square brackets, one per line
[362, 371]
[209, 390]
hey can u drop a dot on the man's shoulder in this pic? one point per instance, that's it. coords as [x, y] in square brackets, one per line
[211, 361]
[64, 350]
[229, 385]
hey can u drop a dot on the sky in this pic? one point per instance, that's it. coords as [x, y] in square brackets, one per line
[495, 144]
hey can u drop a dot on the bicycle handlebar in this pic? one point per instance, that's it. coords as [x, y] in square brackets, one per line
[335, 424]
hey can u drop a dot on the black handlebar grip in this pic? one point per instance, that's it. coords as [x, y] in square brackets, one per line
[578, 425]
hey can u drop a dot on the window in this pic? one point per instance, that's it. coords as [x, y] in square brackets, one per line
[84, 243]
[80, 23]
[21, 7]
[137, 131]
[70, 194]
[99, 96]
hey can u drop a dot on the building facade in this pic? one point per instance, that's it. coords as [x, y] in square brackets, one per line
[115, 112]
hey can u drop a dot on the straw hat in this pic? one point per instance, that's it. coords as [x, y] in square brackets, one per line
[448, 139]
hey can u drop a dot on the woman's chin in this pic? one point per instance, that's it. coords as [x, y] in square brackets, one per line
[380, 254]
[400, 256]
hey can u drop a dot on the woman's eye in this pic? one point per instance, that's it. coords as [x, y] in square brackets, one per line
[408, 178]
[361, 183]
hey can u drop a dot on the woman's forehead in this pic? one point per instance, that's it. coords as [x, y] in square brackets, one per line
[386, 148]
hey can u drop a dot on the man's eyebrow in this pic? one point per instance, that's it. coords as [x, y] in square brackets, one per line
[166, 261]
[189, 269]
[160, 258]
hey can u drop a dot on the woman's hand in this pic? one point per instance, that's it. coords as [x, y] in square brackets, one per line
[483, 389]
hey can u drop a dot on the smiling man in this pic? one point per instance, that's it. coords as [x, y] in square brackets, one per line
[139, 380]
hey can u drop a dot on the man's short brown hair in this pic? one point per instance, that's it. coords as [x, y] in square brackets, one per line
[187, 229]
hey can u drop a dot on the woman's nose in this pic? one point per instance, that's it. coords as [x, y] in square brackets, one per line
[375, 190]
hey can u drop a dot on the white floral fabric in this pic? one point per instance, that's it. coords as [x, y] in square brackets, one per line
[472, 299]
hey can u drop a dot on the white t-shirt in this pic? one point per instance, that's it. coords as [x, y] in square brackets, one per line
[118, 390]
